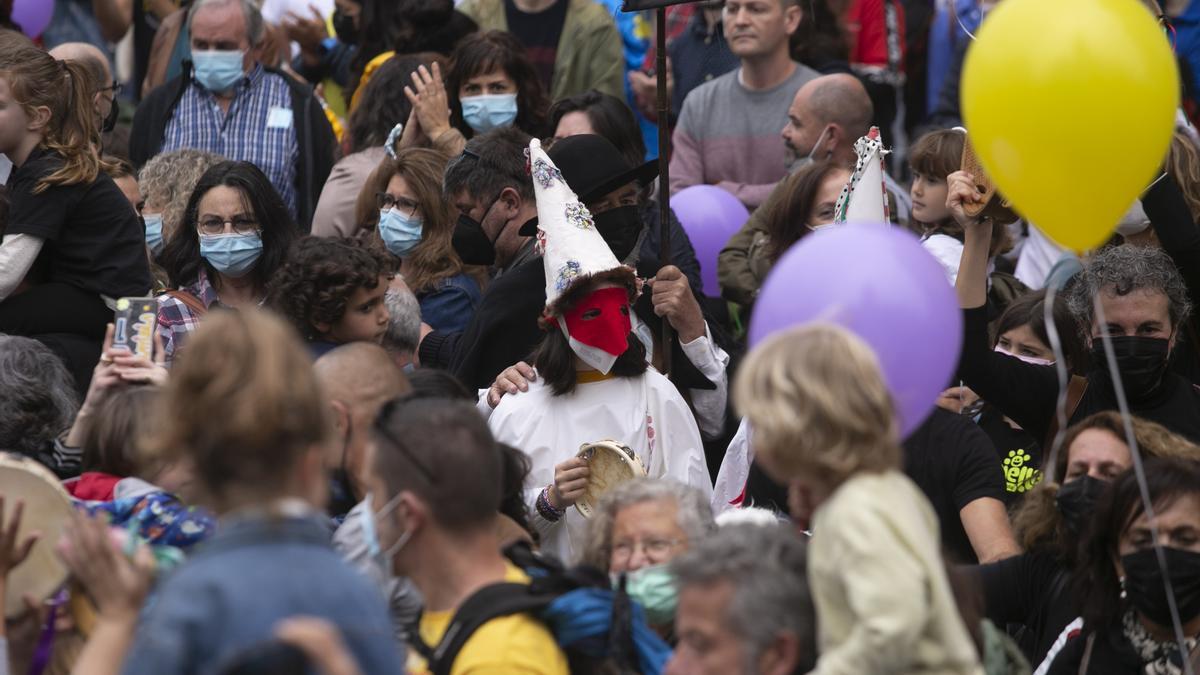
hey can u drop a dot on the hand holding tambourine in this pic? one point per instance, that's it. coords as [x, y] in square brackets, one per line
[990, 204]
[608, 465]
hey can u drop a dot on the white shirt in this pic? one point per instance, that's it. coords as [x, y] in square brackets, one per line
[645, 413]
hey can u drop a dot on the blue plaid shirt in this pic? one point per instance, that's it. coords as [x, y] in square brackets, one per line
[259, 128]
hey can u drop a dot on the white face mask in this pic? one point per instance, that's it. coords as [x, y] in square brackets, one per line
[371, 536]
[804, 161]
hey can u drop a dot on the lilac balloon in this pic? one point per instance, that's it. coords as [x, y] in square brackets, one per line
[710, 216]
[32, 15]
[880, 284]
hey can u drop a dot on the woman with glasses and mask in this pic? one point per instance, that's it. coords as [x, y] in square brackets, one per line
[235, 234]
[402, 204]
[1128, 618]
[1033, 590]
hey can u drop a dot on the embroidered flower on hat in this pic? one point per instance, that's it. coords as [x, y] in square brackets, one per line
[567, 273]
[539, 244]
[579, 216]
[544, 173]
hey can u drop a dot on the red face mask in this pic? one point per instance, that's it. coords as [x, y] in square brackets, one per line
[601, 320]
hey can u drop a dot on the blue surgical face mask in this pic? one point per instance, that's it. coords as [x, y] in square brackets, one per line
[371, 536]
[231, 254]
[400, 233]
[489, 111]
[154, 233]
[218, 70]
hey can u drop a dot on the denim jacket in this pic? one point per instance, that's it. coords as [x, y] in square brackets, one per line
[451, 303]
[257, 571]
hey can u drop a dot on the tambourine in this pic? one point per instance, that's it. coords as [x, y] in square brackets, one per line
[47, 510]
[609, 464]
[992, 205]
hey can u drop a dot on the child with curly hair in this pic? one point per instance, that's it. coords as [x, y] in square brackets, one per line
[332, 291]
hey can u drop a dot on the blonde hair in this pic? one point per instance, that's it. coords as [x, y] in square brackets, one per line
[1183, 163]
[816, 400]
[244, 406]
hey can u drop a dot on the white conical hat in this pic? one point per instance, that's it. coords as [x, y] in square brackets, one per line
[864, 199]
[572, 248]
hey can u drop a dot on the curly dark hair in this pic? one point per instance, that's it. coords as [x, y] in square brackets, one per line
[481, 53]
[321, 273]
[181, 257]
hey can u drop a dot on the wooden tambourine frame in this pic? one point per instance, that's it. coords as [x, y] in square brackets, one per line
[609, 463]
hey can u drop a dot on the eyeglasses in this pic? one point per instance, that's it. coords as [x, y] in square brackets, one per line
[387, 202]
[116, 88]
[656, 550]
[240, 225]
[385, 413]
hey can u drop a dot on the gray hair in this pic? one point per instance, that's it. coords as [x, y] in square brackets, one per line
[167, 181]
[254, 19]
[1122, 270]
[693, 513]
[37, 396]
[404, 327]
[766, 566]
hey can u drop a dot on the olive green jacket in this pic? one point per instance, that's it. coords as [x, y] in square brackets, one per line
[589, 51]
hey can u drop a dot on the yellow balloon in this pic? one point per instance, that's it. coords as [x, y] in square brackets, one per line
[1070, 105]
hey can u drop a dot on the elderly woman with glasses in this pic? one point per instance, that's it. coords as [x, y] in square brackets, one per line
[235, 234]
[402, 204]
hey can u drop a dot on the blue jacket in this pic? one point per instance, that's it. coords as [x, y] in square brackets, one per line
[236, 587]
[451, 303]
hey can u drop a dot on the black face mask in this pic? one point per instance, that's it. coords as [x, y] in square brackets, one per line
[341, 490]
[1076, 501]
[470, 242]
[344, 27]
[621, 229]
[1144, 584]
[110, 122]
[1142, 362]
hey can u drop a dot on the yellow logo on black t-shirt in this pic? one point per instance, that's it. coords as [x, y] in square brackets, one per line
[1018, 475]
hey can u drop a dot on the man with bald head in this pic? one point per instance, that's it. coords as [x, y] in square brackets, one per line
[356, 379]
[827, 115]
[103, 87]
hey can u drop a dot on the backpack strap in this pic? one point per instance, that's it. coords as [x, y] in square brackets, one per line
[193, 303]
[1075, 391]
[489, 602]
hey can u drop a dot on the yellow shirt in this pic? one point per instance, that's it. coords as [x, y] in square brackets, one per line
[518, 643]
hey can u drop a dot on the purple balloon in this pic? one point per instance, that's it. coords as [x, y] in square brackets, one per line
[32, 15]
[877, 282]
[710, 216]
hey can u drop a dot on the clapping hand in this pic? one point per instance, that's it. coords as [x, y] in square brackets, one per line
[431, 106]
[117, 583]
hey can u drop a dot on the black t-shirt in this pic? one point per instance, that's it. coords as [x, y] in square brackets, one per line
[1020, 455]
[954, 463]
[539, 33]
[1031, 592]
[91, 235]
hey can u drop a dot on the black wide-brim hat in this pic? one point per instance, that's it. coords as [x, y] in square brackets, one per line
[593, 167]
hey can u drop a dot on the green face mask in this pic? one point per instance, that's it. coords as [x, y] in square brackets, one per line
[655, 590]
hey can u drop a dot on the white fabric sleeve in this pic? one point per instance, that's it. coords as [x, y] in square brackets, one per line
[709, 404]
[17, 253]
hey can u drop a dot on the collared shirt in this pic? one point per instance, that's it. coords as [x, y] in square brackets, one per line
[258, 128]
[176, 319]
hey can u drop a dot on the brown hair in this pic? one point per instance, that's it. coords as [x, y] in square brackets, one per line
[787, 217]
[816, 399]
[938, 154]
[244, 406]
[111, 436]
[39, 80]
[1037, 521]
[483, 52]
[434, 258]
[1183, 163]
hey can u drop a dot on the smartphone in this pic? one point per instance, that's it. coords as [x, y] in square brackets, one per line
[133, 325]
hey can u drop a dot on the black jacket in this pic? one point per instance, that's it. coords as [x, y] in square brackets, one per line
[314, 136]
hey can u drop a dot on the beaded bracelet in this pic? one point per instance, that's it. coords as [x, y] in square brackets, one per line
[545, 508]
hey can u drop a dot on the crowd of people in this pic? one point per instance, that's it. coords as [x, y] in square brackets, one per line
[354, 338]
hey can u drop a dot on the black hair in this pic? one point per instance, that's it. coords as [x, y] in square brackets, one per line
[407, 27]
[490, 163]
[481, 53]
[1097, 583]
[512, 503]
[1030, 310]
[383, 103]
[181, 257]
[321, 274]
[436, 383]
[610, 117]
[555, 361]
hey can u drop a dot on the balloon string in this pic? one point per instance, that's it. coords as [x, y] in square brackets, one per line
[1060, 367]
[958, 18]
[1140, 472]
